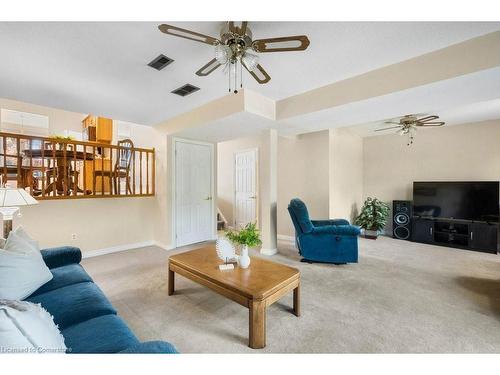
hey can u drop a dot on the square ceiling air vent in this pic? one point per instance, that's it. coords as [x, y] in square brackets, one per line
[160, 62]
[185, 90]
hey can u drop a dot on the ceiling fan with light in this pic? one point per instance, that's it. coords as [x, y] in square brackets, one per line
[235, 46]
[409, 124]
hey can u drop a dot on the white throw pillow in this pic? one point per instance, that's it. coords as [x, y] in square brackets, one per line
[19, 241]
[26, 327]
[22, 269]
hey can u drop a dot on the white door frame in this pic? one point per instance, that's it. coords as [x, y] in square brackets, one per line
[257, 190]
[213, 222]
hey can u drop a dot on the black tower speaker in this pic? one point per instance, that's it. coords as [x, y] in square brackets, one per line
[401, 219]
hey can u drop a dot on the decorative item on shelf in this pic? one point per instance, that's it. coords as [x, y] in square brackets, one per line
[373, 217]
[226, 252]
[10, 200]
[247, 237]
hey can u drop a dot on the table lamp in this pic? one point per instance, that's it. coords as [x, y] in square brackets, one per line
[10, 200]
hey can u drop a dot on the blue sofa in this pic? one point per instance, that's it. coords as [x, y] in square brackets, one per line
[326, 241]
[86, 318]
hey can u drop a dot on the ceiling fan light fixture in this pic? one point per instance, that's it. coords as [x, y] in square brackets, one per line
[230, 49]
[250, 61]
[222, 53]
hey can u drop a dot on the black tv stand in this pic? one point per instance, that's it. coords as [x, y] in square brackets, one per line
[462, 234]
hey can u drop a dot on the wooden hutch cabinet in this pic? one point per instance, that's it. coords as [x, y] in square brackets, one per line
[98, 129]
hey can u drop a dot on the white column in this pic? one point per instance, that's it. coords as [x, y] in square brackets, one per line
[268, 186]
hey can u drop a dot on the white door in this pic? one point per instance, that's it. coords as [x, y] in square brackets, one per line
[193, 192]
[245, 187]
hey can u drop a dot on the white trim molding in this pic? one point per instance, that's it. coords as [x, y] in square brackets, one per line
[116, 249]
[164, 246]
[269, 252]
[125, 247]
[283, 237]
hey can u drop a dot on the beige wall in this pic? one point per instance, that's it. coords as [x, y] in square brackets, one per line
[266, 143]
[303, 164]
[59, 120]
[302, 171]
[346, 174]
[225, 172]
[461, 152]
[98, 223]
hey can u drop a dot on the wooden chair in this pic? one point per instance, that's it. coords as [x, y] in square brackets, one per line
[121, 169]
[24, 176]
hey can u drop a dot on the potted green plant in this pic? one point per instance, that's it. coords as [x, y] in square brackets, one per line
[248, 236]
[60, 140]
[373, 217]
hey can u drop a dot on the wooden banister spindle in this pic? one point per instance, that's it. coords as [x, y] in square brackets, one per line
[147, 172]
[43, 168]
[140, 172]
[133, 171]
[102, 170]
[153, 178]
[93, 170]
[55, 172]
[84, 170]
[30, 180]
[111, 177]
[74, 182]
[4, 179]
[18, 159]
[65, 164]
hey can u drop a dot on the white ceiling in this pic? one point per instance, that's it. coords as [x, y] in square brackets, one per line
[101, 67]
[448, 99]
[238, 125]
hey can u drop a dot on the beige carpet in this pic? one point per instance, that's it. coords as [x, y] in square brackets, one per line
[400, 297]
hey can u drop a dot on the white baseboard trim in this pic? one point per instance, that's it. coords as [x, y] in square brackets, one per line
[283, 237]
[163, 245]
[116, 249]
[268, 252]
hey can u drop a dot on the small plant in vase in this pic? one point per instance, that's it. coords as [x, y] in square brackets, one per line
[373, 217]
[248, 236]
[60, 140]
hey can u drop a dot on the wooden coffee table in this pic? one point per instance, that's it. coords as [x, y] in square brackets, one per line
[256, 287]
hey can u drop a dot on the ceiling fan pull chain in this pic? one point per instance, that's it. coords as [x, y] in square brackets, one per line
[241, 75]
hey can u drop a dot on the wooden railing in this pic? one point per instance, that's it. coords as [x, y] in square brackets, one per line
[54, 168]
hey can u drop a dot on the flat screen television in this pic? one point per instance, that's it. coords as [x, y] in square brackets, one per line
[478, 200]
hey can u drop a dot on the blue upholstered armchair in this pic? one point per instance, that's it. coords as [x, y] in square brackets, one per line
[328, 241]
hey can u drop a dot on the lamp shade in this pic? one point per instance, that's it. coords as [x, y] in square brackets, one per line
[251, 61]
[15, 198]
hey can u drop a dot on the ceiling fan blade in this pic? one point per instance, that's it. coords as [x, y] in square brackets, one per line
[283, 44]
[208, 68]
[259, 74]
[239, 28]
[392, 122]
[439, 123]
[187, 34]
[392, 127]
[428, 118]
